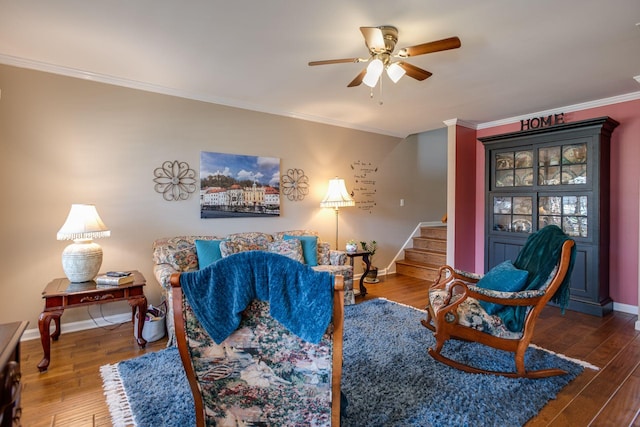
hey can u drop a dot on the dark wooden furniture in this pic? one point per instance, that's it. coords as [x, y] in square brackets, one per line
[367, 265]
[452, 289]
[60, 294]
[10, 385]
[554, 175]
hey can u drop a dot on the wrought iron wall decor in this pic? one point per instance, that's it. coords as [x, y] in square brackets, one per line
[175, 180]
[295, 184]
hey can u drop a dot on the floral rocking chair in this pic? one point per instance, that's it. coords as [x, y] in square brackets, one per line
[500, 309]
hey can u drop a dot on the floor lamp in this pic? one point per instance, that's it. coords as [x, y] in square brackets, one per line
[337, 197]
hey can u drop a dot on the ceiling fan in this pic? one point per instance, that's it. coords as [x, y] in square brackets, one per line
[381, 42]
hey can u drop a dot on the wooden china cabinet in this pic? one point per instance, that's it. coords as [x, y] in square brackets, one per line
[553, 175]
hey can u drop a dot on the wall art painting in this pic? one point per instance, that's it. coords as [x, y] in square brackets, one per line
[234, 185]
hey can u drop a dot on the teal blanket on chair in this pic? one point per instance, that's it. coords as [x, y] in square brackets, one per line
[299, 297]
[539, 256]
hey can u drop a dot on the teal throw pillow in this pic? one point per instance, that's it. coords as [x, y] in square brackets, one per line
[309, 248]
[208, 252]
[504, 277]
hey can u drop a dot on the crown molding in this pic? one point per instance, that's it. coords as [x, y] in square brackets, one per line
[148, 87]
[459, 122]
[570, 108]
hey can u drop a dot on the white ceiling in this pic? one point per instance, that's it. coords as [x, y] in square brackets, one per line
[517, 57]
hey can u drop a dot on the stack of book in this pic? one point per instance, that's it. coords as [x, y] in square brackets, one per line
[114, 278]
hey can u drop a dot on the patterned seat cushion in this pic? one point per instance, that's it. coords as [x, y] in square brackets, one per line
[471, 314]
[262, 374]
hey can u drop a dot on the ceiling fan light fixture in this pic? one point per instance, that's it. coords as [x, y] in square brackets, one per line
[395, 72]
[374, 70]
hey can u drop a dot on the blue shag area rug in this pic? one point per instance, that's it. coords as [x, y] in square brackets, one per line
[388, 378]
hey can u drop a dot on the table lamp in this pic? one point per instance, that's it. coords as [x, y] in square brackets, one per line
[82, 259]
[337, 197]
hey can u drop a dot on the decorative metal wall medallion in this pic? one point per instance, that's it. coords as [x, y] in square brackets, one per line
[175, 180]
[295, 184]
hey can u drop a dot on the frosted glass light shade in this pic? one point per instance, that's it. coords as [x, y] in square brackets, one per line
[374, 70]
[395, 72]
[82, 259]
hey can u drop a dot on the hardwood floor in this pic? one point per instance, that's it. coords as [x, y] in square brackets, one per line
[70, 393]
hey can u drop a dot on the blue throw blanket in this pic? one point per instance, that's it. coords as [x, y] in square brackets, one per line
[299, 297]
[539, 256]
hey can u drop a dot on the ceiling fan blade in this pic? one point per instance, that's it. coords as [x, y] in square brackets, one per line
[335, 61]
[436, 46]
[358, 79]
[373, 38]
[415, 72]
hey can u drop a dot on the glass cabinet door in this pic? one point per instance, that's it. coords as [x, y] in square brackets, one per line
[511, 213]
[514, 169]
[567, 212]
[562, 165]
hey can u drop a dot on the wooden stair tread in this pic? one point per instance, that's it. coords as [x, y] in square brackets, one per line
[418, 264]
[427, 255]
[429, 251]
[439, 239]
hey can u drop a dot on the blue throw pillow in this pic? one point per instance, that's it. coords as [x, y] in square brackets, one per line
[208, 252]
[309, 248]
[504, 277]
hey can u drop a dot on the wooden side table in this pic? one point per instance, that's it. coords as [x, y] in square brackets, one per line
[10, 386]
[60, 294]
[367, 264]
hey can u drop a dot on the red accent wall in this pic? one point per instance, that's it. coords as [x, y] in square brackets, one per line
[465, 198]
[625, 195]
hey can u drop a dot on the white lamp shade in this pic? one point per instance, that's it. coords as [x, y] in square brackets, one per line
[83, 222]
[374, 70]
[395, 72]
[82, 259]
[337, 195]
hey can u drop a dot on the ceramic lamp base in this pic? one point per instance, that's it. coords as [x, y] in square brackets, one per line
[81, 261]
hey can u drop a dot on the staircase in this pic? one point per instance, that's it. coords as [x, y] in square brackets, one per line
[429, 252]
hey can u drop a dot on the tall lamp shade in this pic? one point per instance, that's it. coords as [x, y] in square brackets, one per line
[81, 260]
[337, 197]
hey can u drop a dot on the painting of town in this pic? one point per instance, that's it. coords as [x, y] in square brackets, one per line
[233, 185]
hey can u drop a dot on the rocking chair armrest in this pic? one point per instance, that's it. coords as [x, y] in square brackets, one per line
[448, 274]
[467, 276]
[526, 298]
[456, 291]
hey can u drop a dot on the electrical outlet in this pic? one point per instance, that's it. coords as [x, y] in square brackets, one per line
[401, 202]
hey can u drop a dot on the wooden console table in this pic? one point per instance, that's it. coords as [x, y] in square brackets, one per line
[367, 264]
[10, 386]
[60, 294]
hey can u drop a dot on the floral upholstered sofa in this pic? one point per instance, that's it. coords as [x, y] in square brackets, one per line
[178, 254]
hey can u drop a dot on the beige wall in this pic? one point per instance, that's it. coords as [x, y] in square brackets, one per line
[67, 140]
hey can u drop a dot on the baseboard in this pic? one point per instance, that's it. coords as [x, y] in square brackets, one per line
[625, 308]
[82, 325]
